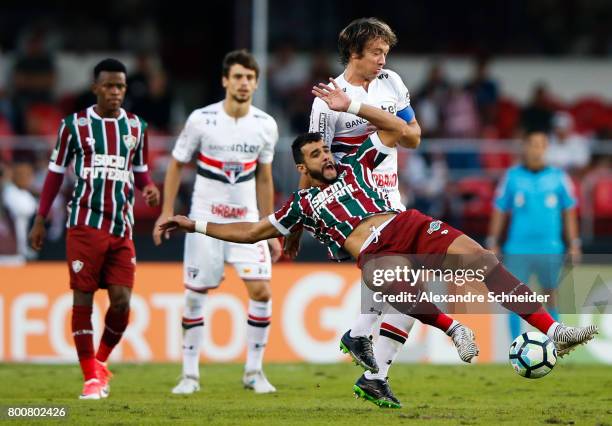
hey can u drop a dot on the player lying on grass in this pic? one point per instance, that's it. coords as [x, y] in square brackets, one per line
[344, 211]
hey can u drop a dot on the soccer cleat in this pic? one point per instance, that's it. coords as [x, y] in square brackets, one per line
[568, 338]
[104, 376]
[257, 381]
[187, 386]
[360, 349]
[92, 389]
[376, 391]
[463, 338]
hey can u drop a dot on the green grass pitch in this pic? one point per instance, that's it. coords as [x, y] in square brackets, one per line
[320, 395]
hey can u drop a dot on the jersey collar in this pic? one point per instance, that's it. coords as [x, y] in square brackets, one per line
[93, 113]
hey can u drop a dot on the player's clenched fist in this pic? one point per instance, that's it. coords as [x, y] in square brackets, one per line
[151, 195]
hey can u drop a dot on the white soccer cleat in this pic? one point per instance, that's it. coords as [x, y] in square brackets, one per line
[257, 381]
[568, 338]
[187, 386]
[463, 338]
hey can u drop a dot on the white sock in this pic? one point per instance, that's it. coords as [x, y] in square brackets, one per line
[363, 325]
[394, 331]
[551, 330]
[258, 329]
[193, 324]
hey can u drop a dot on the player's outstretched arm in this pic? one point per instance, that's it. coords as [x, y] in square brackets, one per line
[237, 232]
[392, 130]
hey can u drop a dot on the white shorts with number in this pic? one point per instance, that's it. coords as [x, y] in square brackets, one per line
[205, 258]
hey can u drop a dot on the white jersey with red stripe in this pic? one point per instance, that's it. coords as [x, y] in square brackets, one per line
[344, 132]
[228, 151]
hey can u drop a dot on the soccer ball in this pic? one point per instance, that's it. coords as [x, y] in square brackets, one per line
[533, 355]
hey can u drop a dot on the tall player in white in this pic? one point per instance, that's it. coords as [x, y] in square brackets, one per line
[363, 46]
[234, 142]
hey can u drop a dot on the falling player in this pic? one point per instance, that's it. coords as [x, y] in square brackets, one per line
[109, 149]
[234, 142]
[363, 46]
[343, 210]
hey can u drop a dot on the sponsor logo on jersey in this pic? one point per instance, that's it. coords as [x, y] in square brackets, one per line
[434, 226]
[389, 107]
[385, 179]
[77, 265]
[383, 75]
[82, 121]
[331, 193]
[103, 160]
[237, 147]
[354, 123]
[322, 123]
[444, 232]
[130, 141]
[228, 212]
[134, 122]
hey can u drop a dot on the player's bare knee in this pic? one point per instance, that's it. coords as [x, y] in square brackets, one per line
[120, 298]
[260, 292]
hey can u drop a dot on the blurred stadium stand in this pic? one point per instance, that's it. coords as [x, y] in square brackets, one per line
[474, 92]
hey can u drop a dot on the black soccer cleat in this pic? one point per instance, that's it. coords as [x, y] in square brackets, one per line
[376, 391]
[360, 349]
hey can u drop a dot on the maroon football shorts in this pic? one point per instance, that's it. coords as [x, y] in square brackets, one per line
[412, 232]
[97, 259]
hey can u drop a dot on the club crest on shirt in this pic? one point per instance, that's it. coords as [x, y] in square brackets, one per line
[77, 265]
[129, 141]
[434, 226]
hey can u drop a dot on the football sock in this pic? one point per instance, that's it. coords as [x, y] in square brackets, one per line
[258, 329]
[193, 323]
[499, 280]
[393, 334]
[115, 323]
[82, 332]
[363, 325]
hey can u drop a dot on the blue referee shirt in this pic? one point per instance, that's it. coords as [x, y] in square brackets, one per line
[536, 201]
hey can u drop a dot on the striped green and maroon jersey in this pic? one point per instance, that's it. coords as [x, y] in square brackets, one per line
[106, 152]
[331, 212]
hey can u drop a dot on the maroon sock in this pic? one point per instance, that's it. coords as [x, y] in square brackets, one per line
[82, 332]
[439, 320]
[115, 324]
[499, 280]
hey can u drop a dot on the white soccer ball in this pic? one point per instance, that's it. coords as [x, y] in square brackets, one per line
[533, 355]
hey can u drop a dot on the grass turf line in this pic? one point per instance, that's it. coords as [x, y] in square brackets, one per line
[320, 394]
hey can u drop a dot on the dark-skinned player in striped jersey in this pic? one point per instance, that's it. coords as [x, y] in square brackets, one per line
[109, 148]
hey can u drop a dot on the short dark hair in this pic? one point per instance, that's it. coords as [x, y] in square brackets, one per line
[354, 37]
[241, 57]
[300, 141]
[110, 65]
